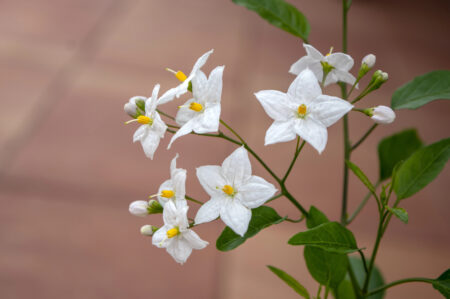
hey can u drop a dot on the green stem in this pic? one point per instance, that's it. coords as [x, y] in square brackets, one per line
[165, 114]
[364, 137]
[361, 205]
[347, 152]
[363, 259]
[293, 200]
[297, 152]
[193, 200]
[401, 281]
[327, 290]
[295, 221]
[273, 198]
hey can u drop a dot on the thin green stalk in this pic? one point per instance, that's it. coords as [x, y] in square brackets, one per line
[293, 200]
[295, 221]
[363, 259]
[297, 152]
[193, 200]
[361, 205]
[401, 281]
[165, 114]
[318, 291]
[274, 197]
[327, 290]
[364, 137]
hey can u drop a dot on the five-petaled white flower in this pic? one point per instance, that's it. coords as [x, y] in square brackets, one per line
[175, 235]
[233, 190]
[183, 87]
[153, 128]
[174, 188]
[338, 65]
[303, 111]
[201, 114]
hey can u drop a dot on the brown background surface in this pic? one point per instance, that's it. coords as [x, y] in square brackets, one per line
[69, 169]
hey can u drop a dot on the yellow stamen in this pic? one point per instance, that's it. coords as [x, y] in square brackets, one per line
[173, 232]
[302, 110]
[196, 106]
[331, 51]
[167, 193]
[145, 120]
[180, 75]
[228, 189]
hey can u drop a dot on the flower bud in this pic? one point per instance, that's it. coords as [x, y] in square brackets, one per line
[135, 106]
[139, 208]
[369, 60]
[148, 230]
[154, 207]
[381, 114]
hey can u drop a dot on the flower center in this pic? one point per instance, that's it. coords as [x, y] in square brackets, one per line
[228, 190]
[167, 193]
[302, 110]
[145, 120]
[173, 232]
[196, 106]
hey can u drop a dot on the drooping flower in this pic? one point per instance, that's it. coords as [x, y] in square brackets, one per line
[336, 66]
[174, 188]
[234, 191]
[381, 114]
[132, 106]
[175, 235]
[201, 114]
[302, 111]
[183, 87]
[153, 128]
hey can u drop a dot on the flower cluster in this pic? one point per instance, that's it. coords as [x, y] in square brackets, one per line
[302, 111]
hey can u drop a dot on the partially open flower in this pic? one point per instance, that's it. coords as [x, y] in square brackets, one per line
[382, 114]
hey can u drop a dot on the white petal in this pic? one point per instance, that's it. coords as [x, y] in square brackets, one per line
[167, 185]
[194, 240]
[328, 110]
[184, 130]
[159, 238]
[140, 133]
[179, 249]
[179, 184]
[158, 126]
[175, 215]
[344, 76]
[167, 96]
[150, 143]
[139, 208]
[150, 104]
[236, 168]
[280, 131]
[210, 177]
[340, 61]
[173, 165]
[208, 121]
[201, 61]
[199, 85]
[214, 86]
[305, 87]
[185, 114]
[313, 52]
[256, 192]
[314, 132]
[236, 216]
[276, 104]
[302, 64]
[209, 210]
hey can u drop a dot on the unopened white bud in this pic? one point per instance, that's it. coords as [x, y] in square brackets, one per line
[382, 115]
[139, 208]
[369, 60]
[148, 230]
[384, 76]
[133, 104]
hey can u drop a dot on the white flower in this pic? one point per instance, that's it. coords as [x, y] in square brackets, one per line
[340, 64]
[369, 60]
[174, 188]
[175, 235]
[139, 208]
[153, 128]
[131, 107]
[382, 114]
[201, 114]
[183, 87]
[233, 190]
[303, 111]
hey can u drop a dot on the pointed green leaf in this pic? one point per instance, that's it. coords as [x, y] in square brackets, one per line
[325, 267]
[442, 284]
[315, 217]
[331, 236]
[280, 14]
[421, 168]
[290, 281]
[376, 279]
[361, 176]
[262, 217]
[422, 90]
[399, 213]
[396, 148]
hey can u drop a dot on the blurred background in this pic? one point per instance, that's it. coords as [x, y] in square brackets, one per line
[69, 169]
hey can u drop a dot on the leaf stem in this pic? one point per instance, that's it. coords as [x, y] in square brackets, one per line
[361, 140]
[401, 281]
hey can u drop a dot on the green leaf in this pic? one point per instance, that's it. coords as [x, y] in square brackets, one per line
[280, 14]
[315, 217]
[399, 213]
[331, 236]
[442, 284]
[325, 267]
[345, 290]
[422, 90]
[262, 217]
[421, 168]
[361, 176]
[376, 279]
[396, 148]
[294, 284]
